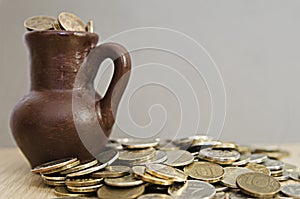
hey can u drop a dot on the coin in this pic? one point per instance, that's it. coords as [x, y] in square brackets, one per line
[137, 155]
[125, 181]
[273, 164]
[53, 165]
[285, 176]
[39, 23]
[192, 189]
[258, 168]
[166, 172]
[82, 166]
[258, 184]
[257, 158]
[83, 182]
[205, 171]
[178, 158]
[139, 172]
[68, 166]
[56, 25]
[112, 172]
[70, 22]
[87, 189]
[219, 187]
[231, 174]
[292, 190]
[90, 26]
[243, 160]
[62, 191]
[290, 167]
[160, 157]
[87, 171]
[106, 192]
[295, 175]
[226, 145]
[277, 172]
[219, 156]
[55, 183]
[108, 156]
[167, 145]
[154, 196]
[55, 177]
[140, 143]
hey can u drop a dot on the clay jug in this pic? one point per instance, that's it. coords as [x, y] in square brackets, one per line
[62, 115]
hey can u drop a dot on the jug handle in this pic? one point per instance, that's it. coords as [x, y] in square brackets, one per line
[107, 106]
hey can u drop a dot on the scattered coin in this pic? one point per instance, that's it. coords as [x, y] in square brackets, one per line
[87, 189]
[106, 192]
[62, 191]
[285, 176]
[55, 177]
[87, 171]
[257, 158]
[219, 187]
[49, 166]
[231, 174]
[112, 172]
[108, 156]
[226, 145]
[137, 155]
[179, 158]
[219, 156]
[243, 160]
[166, 172]
[140, 143]
[258, 168]
[155, 196]
[57, 170]
[39, 23]
[193, 189]
[167, 145]
[140, 173]
[292, 190]
[290, 167]
[205, 171]
[83, 182]
[82, 166]
[258, 184]
[273, 164]
[295, 175]
[125, 181]
[70, 22]
[55, 183]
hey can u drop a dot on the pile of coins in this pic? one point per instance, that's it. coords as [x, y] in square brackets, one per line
[192, 167]
[65, 21]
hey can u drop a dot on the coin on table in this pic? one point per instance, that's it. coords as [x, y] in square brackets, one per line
[125, 181]
[273, 164]
[137, 155]
[112, 172]
[226, 145]
[285, 176]
[258, 184]
[66, 167]
[140, 143]
[167, 145]
[219, 156]
[276, 173]
[89, 170]
[82, 166]
[160, 157]
[243, 160]
[295, 175]
[192, 189]
[292, 190]
[205, 171]
[70, 22]
[56, 25]
[108, 156]
[140, 173]
[257, 158]
[83, 182]
[166, 172]
[87, 189]
[258, 168]
[55, 177]
[39, 23]
[219, 187]
[154, 196]
[290, 167]
[53, 165]
[106, 192]
[179, 158]
[231, 174]
[62, 191]
[55, 183]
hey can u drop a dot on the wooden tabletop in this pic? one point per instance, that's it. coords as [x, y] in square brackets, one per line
[18, 182]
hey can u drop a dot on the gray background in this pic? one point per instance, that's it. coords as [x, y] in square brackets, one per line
[255, 45]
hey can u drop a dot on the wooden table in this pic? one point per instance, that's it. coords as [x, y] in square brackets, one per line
[16, 180]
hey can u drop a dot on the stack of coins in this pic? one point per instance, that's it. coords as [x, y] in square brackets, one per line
[65, 21]
[140, 168]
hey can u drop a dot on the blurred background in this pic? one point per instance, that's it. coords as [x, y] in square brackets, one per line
[242, 54]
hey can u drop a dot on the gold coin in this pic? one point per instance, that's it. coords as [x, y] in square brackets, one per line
[87, 171]
[155, 196]
[54, 183]
[68, 166]
[56, 25]
[231, 173]
[70, 22]
[179, 158]
[53, 165]
[83, 182]
[226, 145]
[82, 166]
[90, 26]
[62, 191]
[139, 143]
[137, 155]
[166, 172]
[87, 189]
[258, 168]
[258, 184]
[276, 173]
[139, 172]
[205, 171]
[55, 177]
[106, 192]
[39, 23]
[112, 172]
[126, 181]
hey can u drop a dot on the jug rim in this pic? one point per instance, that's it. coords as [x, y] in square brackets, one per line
[61, 33]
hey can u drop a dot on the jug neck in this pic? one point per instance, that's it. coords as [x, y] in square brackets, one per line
[56, 57]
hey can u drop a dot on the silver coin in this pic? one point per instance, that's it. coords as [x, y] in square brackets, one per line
[219, 156]
[193, 189]
[219, 187]
[295, 175]
[178, 158]
[273, 164]
[290, 167]
[292, 190]
[160, 157]
[231, 174]
[108, 156]
[244, 159]
[257, 158]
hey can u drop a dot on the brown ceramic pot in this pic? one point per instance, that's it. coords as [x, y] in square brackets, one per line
[62, 115]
